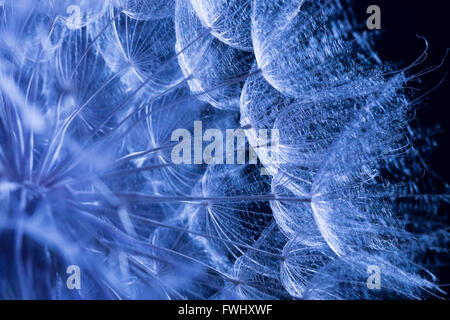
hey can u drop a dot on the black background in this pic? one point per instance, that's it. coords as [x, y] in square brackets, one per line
[401, 22]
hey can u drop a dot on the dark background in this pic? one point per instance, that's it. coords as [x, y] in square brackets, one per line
[401, 22]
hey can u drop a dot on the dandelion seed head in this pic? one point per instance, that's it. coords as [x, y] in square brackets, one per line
[92, 94]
